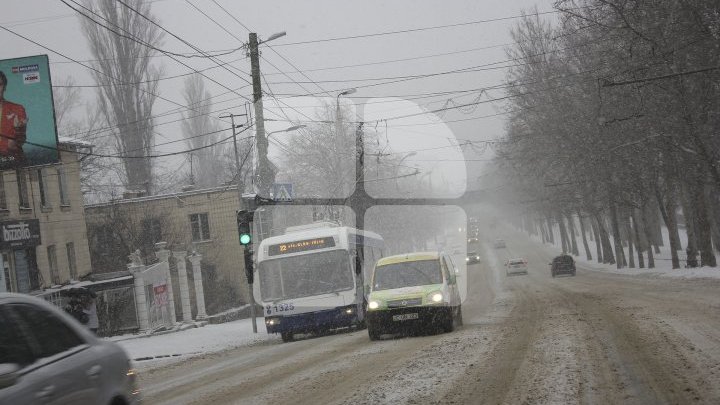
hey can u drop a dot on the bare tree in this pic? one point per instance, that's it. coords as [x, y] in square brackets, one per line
[127, 81]
[200, 131]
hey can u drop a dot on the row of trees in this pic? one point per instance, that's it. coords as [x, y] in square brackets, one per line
[613, 120]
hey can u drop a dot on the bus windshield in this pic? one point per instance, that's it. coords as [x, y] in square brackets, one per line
[407, 274]
[305, 275]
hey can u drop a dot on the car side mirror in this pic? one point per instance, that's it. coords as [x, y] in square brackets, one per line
[8, 374]
[452, 279]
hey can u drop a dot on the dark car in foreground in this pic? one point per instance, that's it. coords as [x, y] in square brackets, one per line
[47, 357]
[563, 264]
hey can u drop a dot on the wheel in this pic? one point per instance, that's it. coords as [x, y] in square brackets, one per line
[449, 324]
[459, 316]
[287, 336]
[373, 332]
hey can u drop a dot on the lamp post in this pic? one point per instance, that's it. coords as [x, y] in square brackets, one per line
[338, 126]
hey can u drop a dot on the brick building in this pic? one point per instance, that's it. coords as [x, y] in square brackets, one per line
[43, 238]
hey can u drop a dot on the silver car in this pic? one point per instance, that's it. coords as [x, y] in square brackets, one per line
[47, 357]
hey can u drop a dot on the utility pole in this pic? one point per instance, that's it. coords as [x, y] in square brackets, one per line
[240, 188]
[261, 142]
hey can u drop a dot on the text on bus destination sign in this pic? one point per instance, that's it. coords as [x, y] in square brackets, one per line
[301, 245]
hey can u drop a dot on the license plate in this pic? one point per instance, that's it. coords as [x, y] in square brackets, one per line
[405, 317]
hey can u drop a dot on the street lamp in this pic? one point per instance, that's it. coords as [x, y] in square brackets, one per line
[338, 126]
[273, 37]
[290, 129]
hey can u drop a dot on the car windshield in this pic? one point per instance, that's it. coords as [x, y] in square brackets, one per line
[407, 274]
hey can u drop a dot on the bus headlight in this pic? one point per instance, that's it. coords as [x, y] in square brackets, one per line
[272, 321]
[373, 305]
[436, 297]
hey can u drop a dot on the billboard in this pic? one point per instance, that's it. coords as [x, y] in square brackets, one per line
[27, 117]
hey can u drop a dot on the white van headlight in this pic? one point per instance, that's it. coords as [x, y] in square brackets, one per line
[373, 305]
[436, 297]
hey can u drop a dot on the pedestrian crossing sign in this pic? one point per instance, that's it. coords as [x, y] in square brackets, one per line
[283, 192]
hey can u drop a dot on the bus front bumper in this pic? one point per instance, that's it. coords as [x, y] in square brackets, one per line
[313, 321]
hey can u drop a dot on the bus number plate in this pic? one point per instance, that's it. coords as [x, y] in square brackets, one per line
[405, 317]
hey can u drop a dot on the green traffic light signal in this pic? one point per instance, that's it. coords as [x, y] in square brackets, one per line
[245, 239]
[244, 223]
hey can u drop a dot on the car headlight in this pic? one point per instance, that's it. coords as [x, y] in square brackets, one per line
[436, 297]
[373, 305]
[467, 259]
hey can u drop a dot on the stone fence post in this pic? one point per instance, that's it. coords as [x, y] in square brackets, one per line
[199, 293]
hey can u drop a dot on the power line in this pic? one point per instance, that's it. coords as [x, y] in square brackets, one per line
[378, 34]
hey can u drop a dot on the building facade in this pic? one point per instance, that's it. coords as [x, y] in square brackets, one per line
[202, 221]
[43, 237]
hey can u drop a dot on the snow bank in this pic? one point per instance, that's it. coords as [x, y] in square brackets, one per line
[155, 350]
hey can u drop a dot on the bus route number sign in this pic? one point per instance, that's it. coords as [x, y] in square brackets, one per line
[300, 246]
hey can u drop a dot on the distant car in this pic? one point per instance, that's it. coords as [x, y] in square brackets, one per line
[46, 356]
[563, 264]
[516, 266]
[472, 258]
[499, 243]
[472, 241]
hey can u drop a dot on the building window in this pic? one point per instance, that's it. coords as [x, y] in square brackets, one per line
[24, 199]
[3, 201]
[152, 230]
[62, 183]
[42, 182]
[200, 227]
[52, 263]
[70, 248]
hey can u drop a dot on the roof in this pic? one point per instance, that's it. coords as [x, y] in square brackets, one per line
[230, 188]
[74, 142]
[408, 257]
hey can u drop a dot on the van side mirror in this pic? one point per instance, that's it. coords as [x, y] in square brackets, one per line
[8, 374]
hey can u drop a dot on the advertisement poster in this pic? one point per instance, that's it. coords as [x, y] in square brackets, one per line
[28, 135]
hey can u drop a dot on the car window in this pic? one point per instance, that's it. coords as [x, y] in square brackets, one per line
[50, 333]
[14, 348]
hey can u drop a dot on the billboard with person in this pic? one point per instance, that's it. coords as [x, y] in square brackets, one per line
[27, 117]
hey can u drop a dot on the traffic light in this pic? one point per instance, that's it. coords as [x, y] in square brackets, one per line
[244, 224]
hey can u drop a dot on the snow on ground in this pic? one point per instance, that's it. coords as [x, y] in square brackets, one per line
[663, 263]
[159, 350]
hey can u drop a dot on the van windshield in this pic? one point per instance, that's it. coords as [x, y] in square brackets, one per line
[407, 274]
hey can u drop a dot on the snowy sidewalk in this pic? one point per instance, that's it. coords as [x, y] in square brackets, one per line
[158, 350]
[663, 264]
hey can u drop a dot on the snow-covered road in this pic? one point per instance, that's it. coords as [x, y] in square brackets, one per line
[594, 338]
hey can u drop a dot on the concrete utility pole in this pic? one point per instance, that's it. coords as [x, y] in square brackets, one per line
[263, 168]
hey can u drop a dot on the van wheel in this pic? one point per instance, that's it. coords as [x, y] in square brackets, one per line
[449, 322]
[373, 332]
[287, 336]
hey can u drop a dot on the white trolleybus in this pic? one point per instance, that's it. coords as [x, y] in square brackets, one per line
[312, 278]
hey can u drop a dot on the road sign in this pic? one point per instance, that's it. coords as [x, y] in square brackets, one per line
[282, 191]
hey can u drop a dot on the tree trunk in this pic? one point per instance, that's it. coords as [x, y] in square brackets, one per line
[588, 255]
[550, 230]
[571, 234]
[689, 217]
[619, 253]
[598, 245]
[542, 232]
[563, 234]
[608, 256]
[667, 210]
[707, 256]
[713, 199]
[628, 231]
[638, 239]
[648, 237]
